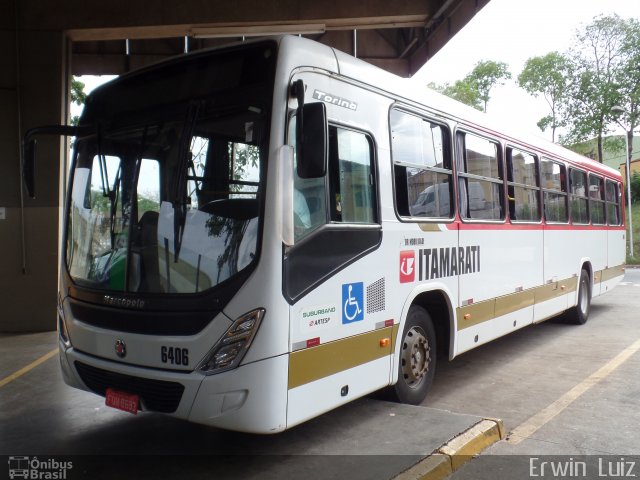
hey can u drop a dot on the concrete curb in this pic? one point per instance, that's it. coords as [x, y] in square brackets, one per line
[449, 457]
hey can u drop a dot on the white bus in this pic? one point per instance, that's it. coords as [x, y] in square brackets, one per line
[249, 241]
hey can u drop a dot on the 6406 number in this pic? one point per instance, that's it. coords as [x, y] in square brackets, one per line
[174, 355]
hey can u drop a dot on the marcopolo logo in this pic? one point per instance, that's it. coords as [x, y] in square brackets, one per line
[37, 469]
[123, 302]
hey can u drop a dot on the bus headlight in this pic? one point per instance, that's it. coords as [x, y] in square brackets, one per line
[62, 327]
[232, 347]
[62, 330]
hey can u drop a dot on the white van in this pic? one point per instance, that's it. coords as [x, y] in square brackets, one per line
[433, 201]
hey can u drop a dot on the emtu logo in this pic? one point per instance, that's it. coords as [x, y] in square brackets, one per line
[407, 266]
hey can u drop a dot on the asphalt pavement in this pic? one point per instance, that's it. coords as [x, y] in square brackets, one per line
[565, 393]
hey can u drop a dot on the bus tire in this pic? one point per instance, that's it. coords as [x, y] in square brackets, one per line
[579, 314]
[417, 360]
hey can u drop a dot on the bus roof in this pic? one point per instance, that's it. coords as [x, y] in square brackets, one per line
[413, 92]
[406, 90]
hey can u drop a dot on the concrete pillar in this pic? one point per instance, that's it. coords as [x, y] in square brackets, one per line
[32, 82]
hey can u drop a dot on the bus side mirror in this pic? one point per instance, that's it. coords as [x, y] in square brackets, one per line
[29, 166]
[312, 133]
[29, 149]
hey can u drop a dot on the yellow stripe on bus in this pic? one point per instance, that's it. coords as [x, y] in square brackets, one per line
[314, 363]
[471, 315]
[611, 273]
[486, 310]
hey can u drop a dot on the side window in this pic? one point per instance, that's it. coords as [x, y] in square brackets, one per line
[222, 167]
[596, 199]
[148, 190]
[523, 187]
[579, 202]
[351, 184]
[309, 197]
[351, 198]
[244, 171]
[479, 178]
[554, 187]
[422, 166]
[613, 202]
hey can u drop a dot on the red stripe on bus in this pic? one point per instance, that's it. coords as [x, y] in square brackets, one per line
[529, 226]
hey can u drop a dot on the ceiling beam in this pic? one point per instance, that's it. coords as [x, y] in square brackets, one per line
[401, 43]
[442, 28]
[236, 29]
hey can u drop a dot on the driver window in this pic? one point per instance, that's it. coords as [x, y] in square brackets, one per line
[309, 197]
[351, 172]
[351, 184]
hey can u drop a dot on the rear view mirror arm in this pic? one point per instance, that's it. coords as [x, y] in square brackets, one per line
[29, 149]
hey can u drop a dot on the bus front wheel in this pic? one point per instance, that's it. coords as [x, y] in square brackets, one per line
[417, 362]
[579, 314]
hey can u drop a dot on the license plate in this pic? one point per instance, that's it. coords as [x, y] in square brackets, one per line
[124, 401]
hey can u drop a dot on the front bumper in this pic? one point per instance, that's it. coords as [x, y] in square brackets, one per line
[251, 398]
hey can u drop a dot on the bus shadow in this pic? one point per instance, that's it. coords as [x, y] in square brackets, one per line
[338, 444]
[526, 366]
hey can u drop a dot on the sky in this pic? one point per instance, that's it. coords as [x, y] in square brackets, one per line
[512, 31]
[509, 31]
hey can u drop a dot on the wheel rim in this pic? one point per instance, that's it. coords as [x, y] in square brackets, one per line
[416, 357]
[584, 298]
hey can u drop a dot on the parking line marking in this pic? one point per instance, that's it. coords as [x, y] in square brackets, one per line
[28, 368]
[537, 421]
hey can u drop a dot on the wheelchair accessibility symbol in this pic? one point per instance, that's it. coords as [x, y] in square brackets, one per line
[352, 302]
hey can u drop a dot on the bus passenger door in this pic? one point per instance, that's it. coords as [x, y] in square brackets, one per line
[334, 273]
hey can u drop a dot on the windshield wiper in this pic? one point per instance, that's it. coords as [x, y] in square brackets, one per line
[107, 191]
[180, 198]
[113, 211]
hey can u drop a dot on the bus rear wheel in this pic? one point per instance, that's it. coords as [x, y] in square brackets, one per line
[417, 362]
[579, 314]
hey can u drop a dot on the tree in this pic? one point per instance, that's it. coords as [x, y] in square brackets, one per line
[635, 187]
[486, 75]
[462, 91]
[77, 92]
[628, 81]
[474, 88]
[593, 90]
[547, 76]
[78, 96]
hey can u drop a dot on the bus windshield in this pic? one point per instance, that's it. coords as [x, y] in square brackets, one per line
[167, 199]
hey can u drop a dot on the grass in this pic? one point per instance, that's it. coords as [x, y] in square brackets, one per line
[635, 214]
